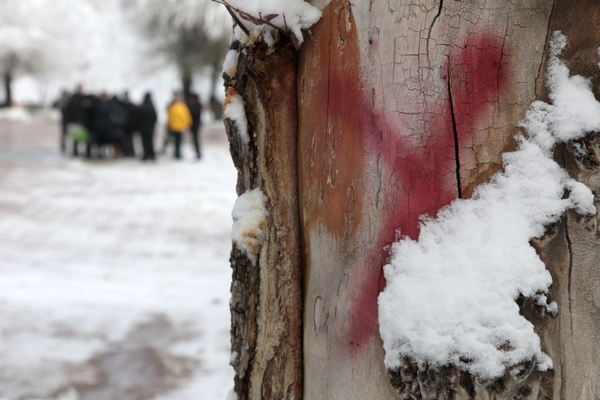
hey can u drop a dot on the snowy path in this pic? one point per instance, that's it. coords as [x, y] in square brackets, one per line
[114, 275]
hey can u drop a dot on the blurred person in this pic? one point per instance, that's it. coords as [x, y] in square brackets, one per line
[168, 137]
[61, 105]
[195, 108]
[101, 122]
[131, 126]
[117, 115]
[179, 120]
[78, 115]
[147, 122]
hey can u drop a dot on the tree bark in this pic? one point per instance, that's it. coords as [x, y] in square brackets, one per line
[572, 249]
[215, 105]
[266, 298]
[186, 81]
[402, 108]
[7, 79]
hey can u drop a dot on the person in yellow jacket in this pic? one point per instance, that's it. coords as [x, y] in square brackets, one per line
[179, 120]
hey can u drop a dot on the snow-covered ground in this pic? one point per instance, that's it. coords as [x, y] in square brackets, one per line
[114, 275]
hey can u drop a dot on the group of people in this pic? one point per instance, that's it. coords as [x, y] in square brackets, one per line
[104, 124]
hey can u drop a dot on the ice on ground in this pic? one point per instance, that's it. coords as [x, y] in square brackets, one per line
[450, 295]
[249, 222]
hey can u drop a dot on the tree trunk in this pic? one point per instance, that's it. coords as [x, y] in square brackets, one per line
[186, 81]
[572, 250]
[402, 108]
[266, 302]
[7, 78]
[215, 105]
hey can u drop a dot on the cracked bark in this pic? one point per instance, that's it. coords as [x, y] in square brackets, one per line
[401, 109]
[455, 131]
[266, 302]
[405, 98]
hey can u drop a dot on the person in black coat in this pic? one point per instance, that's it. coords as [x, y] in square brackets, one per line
[131, 127]
[78, 111]
[117, 115]
[61, 104]
[101, 121]
[147, 122]
[195, 108]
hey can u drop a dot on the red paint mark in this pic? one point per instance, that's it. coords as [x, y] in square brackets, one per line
[420, 175]
[477, 81]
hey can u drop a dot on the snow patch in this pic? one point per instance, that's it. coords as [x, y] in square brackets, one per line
[232, 395]
[262, 17]
[233, 109]
[450, 296]
[249, 222]
[230, 63]
[234, 357]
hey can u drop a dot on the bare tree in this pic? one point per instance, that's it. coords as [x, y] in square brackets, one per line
[25, 47]
[193, 35]
[32, 43]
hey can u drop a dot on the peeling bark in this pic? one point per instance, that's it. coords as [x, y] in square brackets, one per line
[266, 304]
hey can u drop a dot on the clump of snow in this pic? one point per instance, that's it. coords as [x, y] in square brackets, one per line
[232, 395]
[233, 109]
[230, 63]
[233, 358]
[450, 296]
[249, 222]
[261, 17]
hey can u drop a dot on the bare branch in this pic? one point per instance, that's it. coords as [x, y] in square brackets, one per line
[257, 21]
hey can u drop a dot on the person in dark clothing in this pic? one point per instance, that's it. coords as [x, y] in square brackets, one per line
[78, 111]
[131, 127]
[61, 104]
[168, 137]
[117, 115]
[101, 122]
[147, 122]
[195, 108]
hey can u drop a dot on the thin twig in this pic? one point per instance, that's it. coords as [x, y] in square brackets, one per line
[248, 17]
[234, 16]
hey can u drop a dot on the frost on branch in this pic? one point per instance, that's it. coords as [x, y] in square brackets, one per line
[450, 296]
[249, 222]
[264, 17]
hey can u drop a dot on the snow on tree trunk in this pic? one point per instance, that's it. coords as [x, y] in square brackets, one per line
[403, 108]
[420, 104]
[571, 249]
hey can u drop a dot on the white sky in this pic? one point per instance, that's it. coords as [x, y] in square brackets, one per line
[106, 54]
